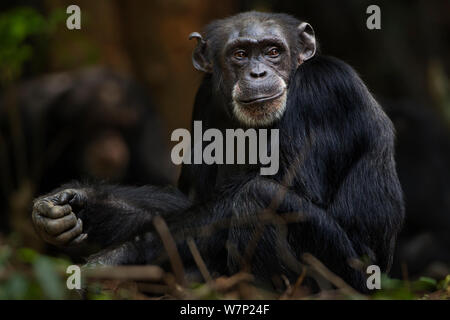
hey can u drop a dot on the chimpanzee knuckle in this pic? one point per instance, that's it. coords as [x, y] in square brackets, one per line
[35, 206]
[54, 211]
[39, 223]
[52, 227]
[36, 202]
[44, 206]
[59, 211]
[35, 215]
[57, 226]
[68, 236]
[77, 229]
[65, 196]
[69, 221]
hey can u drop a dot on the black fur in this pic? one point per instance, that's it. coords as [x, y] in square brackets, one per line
[336, 195]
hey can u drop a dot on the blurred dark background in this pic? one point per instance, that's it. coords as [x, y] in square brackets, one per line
[100, 102]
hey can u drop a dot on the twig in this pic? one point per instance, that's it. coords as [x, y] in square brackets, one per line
[144, 273]
[171, 248]
[198, 260]
[223, 284]
[330, 276]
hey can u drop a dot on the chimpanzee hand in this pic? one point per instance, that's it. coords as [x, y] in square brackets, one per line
[54, 218]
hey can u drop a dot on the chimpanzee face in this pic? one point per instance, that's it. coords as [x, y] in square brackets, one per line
[254, 59]
[256, 66]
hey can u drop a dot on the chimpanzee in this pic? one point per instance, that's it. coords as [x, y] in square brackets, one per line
[336, 194]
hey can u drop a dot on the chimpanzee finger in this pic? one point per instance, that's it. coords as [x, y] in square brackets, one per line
[68, 236]
[43, 207]
[56, 212]
[38, 221]
[79, 199]
[74, 197]
[78, 240]
[58, 226]
[65, 196]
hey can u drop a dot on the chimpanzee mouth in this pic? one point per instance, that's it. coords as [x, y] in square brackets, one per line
[262, 98]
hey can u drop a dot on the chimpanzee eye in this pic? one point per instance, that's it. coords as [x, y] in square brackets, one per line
[240, 54]
[273, 52]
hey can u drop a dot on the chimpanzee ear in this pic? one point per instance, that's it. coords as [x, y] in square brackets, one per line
[307, 42]
[199, 56]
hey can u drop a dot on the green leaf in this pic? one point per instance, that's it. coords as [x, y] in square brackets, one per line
[27, 255]
[17, 287]
[48, 278]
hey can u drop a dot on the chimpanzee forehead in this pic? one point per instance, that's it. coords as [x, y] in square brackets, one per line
[256, 30]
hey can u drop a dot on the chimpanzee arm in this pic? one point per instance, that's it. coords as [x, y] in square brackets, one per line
[114, 214]
[104, 214]
[369, 204]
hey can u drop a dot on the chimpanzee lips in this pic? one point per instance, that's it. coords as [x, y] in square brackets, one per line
[261, 99]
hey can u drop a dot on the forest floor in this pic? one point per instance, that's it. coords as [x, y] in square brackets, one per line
[26, 274]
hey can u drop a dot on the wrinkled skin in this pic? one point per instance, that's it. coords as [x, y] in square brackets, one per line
[55, 220]
[256, 61]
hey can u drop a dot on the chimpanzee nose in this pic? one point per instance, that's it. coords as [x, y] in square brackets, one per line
[258, 73]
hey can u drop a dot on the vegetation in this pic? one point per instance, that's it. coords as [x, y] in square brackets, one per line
[26, 274]
[22, 32]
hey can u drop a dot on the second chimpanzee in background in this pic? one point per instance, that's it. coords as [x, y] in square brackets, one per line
[336, 195]
[92, 123]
